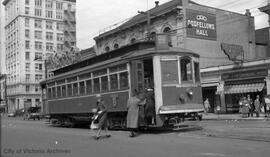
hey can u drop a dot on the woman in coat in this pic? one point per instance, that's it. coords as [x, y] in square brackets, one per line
[101, 118]
[133, 113]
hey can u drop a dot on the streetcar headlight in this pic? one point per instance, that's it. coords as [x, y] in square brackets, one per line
[190, 92]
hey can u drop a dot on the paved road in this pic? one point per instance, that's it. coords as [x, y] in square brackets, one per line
[35, 138]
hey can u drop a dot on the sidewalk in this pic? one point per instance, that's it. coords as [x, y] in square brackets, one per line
[213, 116]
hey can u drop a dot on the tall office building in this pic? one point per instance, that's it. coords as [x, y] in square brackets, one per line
[34, 28]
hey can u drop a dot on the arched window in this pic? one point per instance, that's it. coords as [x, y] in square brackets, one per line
[133, 40]
[153, 35]
[116, 46]
[107, 49]
[167, 30]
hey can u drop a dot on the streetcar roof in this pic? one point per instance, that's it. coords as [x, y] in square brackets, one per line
[137, 50]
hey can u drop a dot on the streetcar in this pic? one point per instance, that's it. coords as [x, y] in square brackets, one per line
[170, 75]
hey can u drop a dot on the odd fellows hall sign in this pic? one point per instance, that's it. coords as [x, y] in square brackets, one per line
[201, 25]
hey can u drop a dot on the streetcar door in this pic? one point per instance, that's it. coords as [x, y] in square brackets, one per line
[137, 75]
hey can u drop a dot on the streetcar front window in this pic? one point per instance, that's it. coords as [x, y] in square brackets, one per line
[169, 72]
[186, 69]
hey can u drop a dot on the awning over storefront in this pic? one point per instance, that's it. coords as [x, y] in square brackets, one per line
[243, 88]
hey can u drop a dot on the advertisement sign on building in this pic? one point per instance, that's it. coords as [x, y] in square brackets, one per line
[201, 25]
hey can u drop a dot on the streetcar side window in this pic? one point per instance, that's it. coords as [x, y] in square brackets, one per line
[123, 80]
[82, 88]
[197, 71]
[89, 86]
[96, 85]
[186, 69]
[104, 84]
[75, 89]
[53, 92]
[114, 82]
[169, 71]
[59, 95]
[69, 90]
[49, 93]
[64, 91]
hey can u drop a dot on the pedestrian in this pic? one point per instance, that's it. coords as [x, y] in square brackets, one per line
[257, 105]
[244, 107]
[206, 105]
[100, 118]
[150, 107]
[267, 104]
[133, 113]
[251, 106]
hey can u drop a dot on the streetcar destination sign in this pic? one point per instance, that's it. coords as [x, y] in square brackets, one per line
[201, 25]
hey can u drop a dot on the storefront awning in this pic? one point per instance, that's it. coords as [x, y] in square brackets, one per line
[243, 88]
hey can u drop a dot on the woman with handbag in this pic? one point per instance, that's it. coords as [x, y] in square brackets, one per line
[100, 119]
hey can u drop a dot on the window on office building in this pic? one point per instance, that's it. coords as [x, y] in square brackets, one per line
[49, 25]
[27, 77]
[59, 15]
[49, 35]
[27, 44]
[59, 26]
[60, 36]
[27, 55]
[27, 10]
[60, 47]
[38, 34]
[38, 3]
[59, 5]
[26, 22]
[27, 33]
[27, 88]
[26, 2]
[38, 45]
[49, 13]
[49, 47]
[38, 55]
[38, 24]
[27, 67]
[38, 66]
[38, 12]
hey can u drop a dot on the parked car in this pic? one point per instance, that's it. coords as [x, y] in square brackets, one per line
[11, 114]
[32, 113]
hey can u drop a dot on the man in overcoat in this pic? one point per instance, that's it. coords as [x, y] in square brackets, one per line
[133, 113]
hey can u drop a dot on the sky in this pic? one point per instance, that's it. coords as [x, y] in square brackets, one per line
[95, 15]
